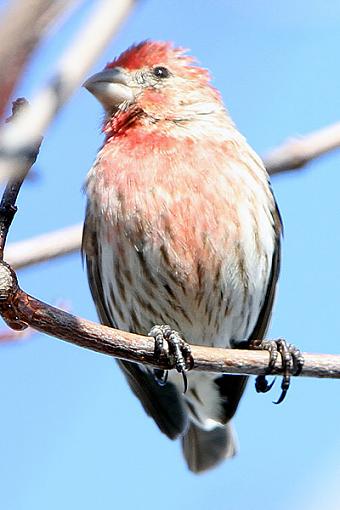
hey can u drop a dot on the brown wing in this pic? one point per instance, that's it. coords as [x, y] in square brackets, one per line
[90, 252]
[162, 403]
[231, 387]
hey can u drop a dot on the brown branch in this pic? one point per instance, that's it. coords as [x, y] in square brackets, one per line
[297, 152]
[19, 309]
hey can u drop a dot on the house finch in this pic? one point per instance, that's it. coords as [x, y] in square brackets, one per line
[182, 231]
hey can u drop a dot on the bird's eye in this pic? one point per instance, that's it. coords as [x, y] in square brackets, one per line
[161, 72]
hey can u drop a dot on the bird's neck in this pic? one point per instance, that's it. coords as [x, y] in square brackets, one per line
[138, 124]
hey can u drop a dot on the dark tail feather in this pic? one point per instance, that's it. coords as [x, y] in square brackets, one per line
[163, 403]
[203, 449]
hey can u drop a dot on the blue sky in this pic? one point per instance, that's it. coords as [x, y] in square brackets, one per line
[71, 433]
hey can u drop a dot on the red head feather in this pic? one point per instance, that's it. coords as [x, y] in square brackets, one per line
[155, 53]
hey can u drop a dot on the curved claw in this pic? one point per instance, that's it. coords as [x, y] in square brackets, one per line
[261, 384]
[185, 382]
[284, 387]
[281, 398]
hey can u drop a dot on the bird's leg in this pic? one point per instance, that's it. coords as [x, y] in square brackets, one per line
[292, 363]
[177, 350]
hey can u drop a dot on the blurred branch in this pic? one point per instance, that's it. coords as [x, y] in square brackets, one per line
[44, 247]
[21, 136]
[21, 310]
[22, 26]
[297, 152]
[10, 335]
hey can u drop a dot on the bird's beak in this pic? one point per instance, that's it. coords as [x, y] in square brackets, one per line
[111, 88]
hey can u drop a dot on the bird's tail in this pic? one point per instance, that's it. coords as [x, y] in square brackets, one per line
[203, 449]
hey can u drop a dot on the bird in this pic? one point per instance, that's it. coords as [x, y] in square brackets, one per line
[181, 239]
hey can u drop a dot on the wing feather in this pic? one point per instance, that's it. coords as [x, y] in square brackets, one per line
[162, 403]
[231, 387]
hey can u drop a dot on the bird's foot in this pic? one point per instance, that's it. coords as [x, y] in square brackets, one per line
[292, 363]
[178, 352]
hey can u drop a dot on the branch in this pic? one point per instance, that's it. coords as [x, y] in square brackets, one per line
[21, 136]
[44, 247]
[297, 152]
[22, 26]
[7, 205]
[20, 310]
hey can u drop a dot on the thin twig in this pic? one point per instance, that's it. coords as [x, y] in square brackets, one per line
[20, 309]
[297, 152]
[20, 137]
[7, 205]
